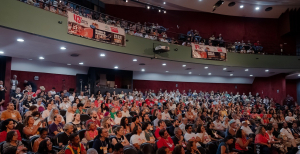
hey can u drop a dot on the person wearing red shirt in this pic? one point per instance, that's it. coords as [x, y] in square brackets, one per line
[161, 125]
[75, 146]
[7, 126]
[94, 119]
[150, 102]
[262, 138]
[165, 140]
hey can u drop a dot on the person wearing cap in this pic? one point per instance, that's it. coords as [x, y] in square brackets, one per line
[42, 88]
[246, 128]
[231, 130]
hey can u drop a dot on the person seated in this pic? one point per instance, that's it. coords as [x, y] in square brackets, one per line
[191, 148]
[125, 112]
[202, 134]
[138, 137]
[65, 104]
[94, 119]
[290, 118]
[190, 136]
[212, 132]
[75, 146]
[147, 128]
[118, 149]
[43, 136]
[12, 141]
[258, 47]
[30, 129]
[163, 150]
[175, 123]
[212, 37]
[246, 128]
[275, 141]
[90, 110]
[47, 111]
[32, 109]
[218, 126]
[125, 125]
[91, 131]
[241, 142]
[288, 133]
[120, 138]
[45, 147]
[56, 127]
[165, 140]
[80, 109]
[55, 112]
[118, 117]
[263, 139]
[7, 126]
[161, 125]
[10, 113]
[77, 124]
[265, 120]
[64, 138]
[135, 121]
[101, 142]
[223, 147]
[27, 103]
[231, 130]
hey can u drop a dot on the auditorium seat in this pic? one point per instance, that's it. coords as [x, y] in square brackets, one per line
[62, 112]
[84, 117]
[81, 134]
[128, 136]
[147, 148]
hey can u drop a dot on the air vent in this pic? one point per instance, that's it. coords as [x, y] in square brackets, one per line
[74, 55]
[188, 68]
[231, 4]
[142, 64]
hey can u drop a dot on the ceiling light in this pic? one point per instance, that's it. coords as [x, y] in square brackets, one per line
[116, 67]
[241, 6]
[134, 60]
[190, 72]
[143, 70]
[200, 0]
[167, 71]
[298, 74]
[231, 74]
[183, 65]
[164, 64]
[41, 58]
[159, 10]
[257, 8]
[63, 48]
[102, 55]
[206, 67]
[148, 7]
[1, 52]
[164, 2]
[126, 1]
[69, 64]
[267, 70]
[165, 11]
[209, 73]
[224, 69]
[20, 40]
[246, 70]
[81, 63]
[251, 75]
[29, 59]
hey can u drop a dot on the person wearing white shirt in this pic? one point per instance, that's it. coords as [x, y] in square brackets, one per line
[289, 118]
[246, 128]
[118, 118]
[65, 104]
[46, 113]
[183, 124]
[71, 98]
[202, 134]
[165, 115]
[219, 126]
[288, 133]
[81, 96]
[138, 137]
[52, 91]
[125, 112]
[172, 106]
[237, 121]
[190, 136]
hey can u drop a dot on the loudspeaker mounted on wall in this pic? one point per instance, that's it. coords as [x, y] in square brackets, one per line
[36, 78]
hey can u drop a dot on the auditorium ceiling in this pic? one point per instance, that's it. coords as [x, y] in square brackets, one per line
[248, 9]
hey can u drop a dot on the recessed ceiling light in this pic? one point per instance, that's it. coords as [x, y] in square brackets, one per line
[209, 73]
[298, 74]
[134, 60]
[81, 63]
[116, 67]
[224, 68]
[165, 11]
[257, 8]
[159, 10]
[246, 70]
[167, 71]
[190, 72]
[267, 70]
[200, 0]
[1, 52]
[143, 70]
[68, 64]
[148, 7]
[164, 2]
[102, 55]
[206, 67]
[241, 6]
[231, 74]
[20, 40]
[41, 58]
[126, 1]
[164, 64]
[63, 48]
[183, 65]
[251, 75]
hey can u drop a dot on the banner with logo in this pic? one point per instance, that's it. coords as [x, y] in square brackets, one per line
[208, 52]
[91, 29]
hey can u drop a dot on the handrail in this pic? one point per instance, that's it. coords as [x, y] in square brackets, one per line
[146, 30]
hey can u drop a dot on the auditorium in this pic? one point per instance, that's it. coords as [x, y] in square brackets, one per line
[149, 77]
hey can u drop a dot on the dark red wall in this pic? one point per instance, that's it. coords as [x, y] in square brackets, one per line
[291, 88]
[269, 86]
[46, 79]
[232, 28]
[168, 85]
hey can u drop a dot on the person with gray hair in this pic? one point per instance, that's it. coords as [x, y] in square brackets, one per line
[63, 139]
[92, 151]
[53, 113]
[178, 139]
[39, 104]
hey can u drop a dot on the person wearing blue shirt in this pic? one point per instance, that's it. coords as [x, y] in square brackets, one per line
[224, 146]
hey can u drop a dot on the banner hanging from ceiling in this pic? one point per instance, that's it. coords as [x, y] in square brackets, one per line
[208, 52]
[92, 29]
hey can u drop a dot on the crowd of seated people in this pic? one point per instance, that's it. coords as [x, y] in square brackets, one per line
[242, 47]
[192, 122]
